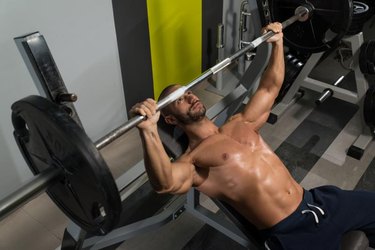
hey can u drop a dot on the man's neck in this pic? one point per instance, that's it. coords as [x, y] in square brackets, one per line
[198, 131]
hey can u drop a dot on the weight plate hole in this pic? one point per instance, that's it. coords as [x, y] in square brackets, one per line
[266, 13]
[98, 212]
[68, 110]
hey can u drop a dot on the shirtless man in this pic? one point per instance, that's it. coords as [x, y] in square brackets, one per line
[233, 163]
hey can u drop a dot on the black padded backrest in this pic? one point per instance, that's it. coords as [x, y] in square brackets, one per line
[354, 240]
[174, 140]
[248, 229]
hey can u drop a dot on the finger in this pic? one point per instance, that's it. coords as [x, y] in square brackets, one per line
[133, 111]
[278, 27]
[151, 105]
[139, 111]
[146, 110]
[275, 27]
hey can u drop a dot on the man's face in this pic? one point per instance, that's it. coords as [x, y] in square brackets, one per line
[188, 108]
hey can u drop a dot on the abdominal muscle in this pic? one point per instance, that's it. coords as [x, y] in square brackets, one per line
[248, 176]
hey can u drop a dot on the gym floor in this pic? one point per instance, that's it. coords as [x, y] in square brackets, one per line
[311, 140]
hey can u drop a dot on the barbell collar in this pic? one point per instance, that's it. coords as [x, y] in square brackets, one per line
[303, 12]
[66, 97]
[327, 93]
[221, 65]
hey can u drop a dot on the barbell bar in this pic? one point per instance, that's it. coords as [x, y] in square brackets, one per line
[52, 174]
[302, 13]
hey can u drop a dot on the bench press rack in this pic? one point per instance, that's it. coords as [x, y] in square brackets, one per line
[46, 76]
[135, 177]
[304, 81]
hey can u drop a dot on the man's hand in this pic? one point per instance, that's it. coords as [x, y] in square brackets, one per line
[276, 28]
[146, 108]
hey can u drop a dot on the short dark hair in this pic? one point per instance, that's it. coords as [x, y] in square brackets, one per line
[166, 90]
[164, 93]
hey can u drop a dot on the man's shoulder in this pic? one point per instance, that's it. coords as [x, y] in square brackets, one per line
[234, 118]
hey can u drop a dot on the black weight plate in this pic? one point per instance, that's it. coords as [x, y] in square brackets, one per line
[292, 68]
[363, 58]
[354, 29]
[49, 137]
[371, 68]
[370, 57]
[360, 10]
[329, 22]
[360, 15]
[371, 5]
[371, 54]
[369, 107]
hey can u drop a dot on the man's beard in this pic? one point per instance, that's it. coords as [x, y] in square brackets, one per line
[192, 116]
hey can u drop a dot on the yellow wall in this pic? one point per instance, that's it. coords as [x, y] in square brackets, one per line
[175, 28]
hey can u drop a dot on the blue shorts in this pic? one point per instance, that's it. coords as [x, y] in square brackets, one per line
[324, 215]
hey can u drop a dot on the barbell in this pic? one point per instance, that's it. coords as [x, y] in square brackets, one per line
[68, 165]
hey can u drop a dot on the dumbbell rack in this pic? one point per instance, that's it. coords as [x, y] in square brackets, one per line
[303, 80]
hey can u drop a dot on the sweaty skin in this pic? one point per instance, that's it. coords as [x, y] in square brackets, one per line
[231, 163]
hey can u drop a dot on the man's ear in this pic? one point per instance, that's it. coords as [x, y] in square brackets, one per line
[170, 119]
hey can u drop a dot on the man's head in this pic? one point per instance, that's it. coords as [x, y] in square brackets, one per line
[185, 110]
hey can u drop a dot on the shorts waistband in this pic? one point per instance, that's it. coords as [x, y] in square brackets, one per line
[303, 206]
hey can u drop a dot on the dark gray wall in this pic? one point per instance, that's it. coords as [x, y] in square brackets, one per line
[212, 12]
[131, 25]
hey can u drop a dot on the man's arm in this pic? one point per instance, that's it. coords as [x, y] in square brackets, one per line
[164, 176]
[258, 108]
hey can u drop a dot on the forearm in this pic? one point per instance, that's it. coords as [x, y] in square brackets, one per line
[157, 162]
[258, 108]
[273, 76]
